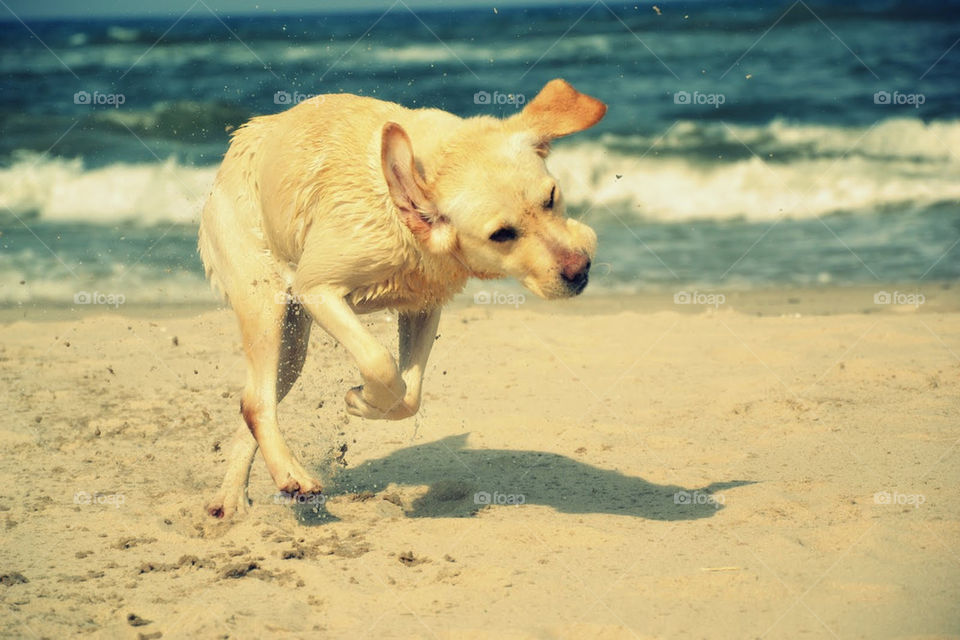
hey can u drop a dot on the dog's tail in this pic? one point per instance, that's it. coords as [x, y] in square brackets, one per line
[207, 253]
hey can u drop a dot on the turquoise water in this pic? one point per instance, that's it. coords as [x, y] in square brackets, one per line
[731, 156]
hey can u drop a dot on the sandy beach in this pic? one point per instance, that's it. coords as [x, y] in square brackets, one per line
[782, 466]
[746, 427]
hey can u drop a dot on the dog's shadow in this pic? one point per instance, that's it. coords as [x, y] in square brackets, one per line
[462, 481]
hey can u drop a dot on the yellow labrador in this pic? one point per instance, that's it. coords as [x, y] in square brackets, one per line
[344, 205]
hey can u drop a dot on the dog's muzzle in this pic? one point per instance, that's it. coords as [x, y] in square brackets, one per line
[575, 275]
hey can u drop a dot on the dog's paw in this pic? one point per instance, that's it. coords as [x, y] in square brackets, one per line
[225, 506]
[296, 481]
[357, 406]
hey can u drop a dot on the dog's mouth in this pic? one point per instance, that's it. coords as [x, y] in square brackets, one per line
[578, 287]
[561, 287]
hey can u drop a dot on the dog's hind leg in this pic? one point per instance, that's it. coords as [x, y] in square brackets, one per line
[232, 497]
[294, 334]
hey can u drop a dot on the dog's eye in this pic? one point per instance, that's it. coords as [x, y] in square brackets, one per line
[504, 234]
[548, 204]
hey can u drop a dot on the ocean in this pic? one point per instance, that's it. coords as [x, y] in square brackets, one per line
[747, 144]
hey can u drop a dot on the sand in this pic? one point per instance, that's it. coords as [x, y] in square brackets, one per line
[783, 466]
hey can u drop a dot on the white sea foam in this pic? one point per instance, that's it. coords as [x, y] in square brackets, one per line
[899, 163]
[62, 190]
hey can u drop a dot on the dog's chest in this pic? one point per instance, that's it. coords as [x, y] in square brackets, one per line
[406, 291]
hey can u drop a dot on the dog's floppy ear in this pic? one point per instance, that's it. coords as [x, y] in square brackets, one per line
[559, 110]
[409, 192]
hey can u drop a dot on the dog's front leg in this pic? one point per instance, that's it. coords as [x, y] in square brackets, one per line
[418, 331]
[383, 387]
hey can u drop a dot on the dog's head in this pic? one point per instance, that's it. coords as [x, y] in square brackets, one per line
[489, 200]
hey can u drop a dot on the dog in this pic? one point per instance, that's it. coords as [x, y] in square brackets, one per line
[344, 205]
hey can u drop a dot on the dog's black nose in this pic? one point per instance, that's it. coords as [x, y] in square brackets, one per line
[577, 280]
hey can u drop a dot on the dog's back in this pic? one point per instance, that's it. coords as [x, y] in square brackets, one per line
[312, 170]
